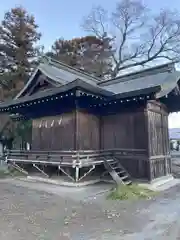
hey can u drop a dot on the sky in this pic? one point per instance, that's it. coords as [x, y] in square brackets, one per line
[62, 18]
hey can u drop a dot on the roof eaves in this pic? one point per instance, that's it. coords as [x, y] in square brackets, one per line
[168, 86]
[78, 83]
[146, 91]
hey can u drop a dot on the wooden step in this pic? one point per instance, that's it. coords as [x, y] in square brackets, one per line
[115, 170]
[124, 177]
[113, 165]
[128, 182]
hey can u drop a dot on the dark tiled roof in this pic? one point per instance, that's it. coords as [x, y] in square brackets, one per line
[60, 73]
[159, 80]
[141, 73]
[164, 76]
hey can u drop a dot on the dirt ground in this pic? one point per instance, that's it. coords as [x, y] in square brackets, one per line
[34, 211]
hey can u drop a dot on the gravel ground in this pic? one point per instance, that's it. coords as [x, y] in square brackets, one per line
[31, 211]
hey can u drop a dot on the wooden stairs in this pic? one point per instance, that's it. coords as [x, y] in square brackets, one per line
[117, 171]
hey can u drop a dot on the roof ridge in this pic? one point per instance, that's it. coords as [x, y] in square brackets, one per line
[141, 73]
[51, 61]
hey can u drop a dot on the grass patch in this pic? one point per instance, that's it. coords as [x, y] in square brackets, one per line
[130, 192]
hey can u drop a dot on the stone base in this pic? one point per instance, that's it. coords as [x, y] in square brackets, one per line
[61, 182]
[161, 184]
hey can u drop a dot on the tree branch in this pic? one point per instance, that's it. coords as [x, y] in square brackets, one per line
[140, 38]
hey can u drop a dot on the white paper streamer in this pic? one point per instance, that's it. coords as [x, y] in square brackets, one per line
[52, 123]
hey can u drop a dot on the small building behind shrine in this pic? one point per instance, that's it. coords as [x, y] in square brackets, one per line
[79, 120]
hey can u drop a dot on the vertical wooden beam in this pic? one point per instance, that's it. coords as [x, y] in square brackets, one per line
[149, 163]
[100, 131]
[163, 141]
[158, 139]
[76, 126]
[77, 121]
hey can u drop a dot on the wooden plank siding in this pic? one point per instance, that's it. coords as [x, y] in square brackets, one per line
[127, 130]
[88, 131]
[121, 131]
[78, 130]
[158, 137]
[54, 133]
[144, 128]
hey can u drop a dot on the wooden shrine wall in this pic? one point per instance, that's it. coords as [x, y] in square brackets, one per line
[127, 130]
[159, 147]
[144, 128]
[123, 129]
[54, 133]
[78, 130]
[88, 131]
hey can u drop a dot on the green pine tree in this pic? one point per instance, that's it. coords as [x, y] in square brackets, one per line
[18, 49]
[19, 53]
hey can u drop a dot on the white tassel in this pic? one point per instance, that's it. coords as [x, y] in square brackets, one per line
[40, 125]
[60, 120]
[52, 123]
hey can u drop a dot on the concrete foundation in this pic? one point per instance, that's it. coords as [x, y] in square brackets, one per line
[162, 183]
[159, 184]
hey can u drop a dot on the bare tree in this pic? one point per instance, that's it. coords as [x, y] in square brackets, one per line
[139, 36]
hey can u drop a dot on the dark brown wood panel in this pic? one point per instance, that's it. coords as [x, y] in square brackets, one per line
[155, 134]
[54, 133]
[160, 166]
[88, 131]
[124, 130]
[142, 128]
[159, 151]
[137, 168]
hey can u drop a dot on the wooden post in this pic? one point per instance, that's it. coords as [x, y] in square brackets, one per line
[77, 122]
[77, 168]
[157, 139]
[77, 174]
[149, 163]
